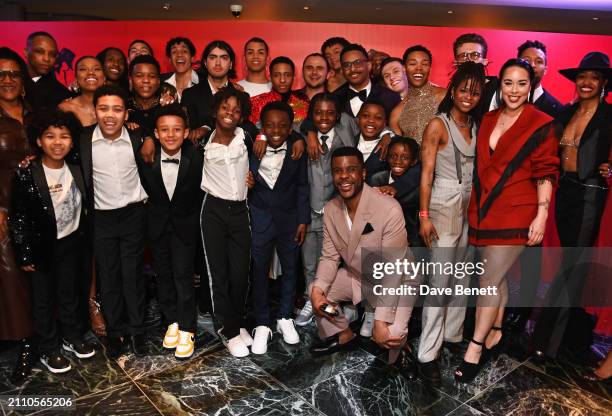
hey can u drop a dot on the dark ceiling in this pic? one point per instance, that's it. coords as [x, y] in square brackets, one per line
[578, 16]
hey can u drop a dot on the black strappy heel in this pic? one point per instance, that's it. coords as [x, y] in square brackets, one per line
[468, 371]
[495, 350]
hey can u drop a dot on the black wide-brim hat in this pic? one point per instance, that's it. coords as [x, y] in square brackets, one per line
[592, 61]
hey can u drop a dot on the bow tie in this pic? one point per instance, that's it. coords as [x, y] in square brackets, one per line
[363, 94]
[170, 160]
[275, 151]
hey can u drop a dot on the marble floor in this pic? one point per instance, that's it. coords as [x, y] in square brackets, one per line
[289, 381]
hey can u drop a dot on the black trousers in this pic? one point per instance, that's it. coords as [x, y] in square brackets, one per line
[58, 288]
[119, 237]
[578, 214]
[226, 237]
[173, 264]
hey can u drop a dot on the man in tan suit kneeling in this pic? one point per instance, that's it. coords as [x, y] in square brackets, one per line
[358, 217]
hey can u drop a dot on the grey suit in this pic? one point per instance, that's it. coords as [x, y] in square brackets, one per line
[321, 191]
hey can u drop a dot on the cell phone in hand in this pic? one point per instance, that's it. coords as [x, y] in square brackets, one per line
[329, 310]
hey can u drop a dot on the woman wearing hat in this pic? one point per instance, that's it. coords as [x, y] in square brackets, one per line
[585, 128]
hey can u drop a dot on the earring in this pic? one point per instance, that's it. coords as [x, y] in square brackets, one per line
[602, 96]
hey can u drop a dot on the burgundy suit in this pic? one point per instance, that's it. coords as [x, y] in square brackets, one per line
[504, 196]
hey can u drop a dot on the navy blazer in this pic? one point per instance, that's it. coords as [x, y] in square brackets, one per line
[389, 99]
[182, 211]
[287, 205]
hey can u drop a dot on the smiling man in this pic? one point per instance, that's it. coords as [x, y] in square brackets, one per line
[45, 91]
[256, 59]
[180, 51]
[315, 71]
[358, 217]
[356, 69]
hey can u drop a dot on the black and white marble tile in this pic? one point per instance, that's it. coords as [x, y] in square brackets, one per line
[465, 410]
[574, 373]
[295, 367]
[376, 389]
[527, 392]
[293, 406]
[213, 384]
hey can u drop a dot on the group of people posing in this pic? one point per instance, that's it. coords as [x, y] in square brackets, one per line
[240, 182]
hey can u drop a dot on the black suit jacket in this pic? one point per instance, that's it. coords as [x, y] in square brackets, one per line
[594, 146]
[385, 96]
[32, 218]
[181, 212]
[407, 196]
[47, 93]
[288, 204]
[548, 104]
[85, 149]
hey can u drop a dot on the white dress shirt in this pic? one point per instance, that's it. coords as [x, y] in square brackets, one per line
[66, 199]
[214, 89]
[193, 81]
[169, 171]
[115, 174]
[226, 167]
[272, 163]
[253, 88]
[356, 102]
[366, 147]
[537, 93]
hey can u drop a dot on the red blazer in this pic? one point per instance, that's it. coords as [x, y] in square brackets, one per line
[504, 196]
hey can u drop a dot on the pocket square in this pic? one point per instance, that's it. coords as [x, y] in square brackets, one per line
[367, 229]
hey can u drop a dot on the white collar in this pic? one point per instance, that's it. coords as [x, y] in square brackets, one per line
[164, 155]
[97, 135]
[282, 146]
[329, 134]
[538, 92]
[368, 88]
[212, 87]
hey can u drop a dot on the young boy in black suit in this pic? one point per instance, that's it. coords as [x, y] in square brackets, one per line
[280, 210]
[173, 186]
[48, 224]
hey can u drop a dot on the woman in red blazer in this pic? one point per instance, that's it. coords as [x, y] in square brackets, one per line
[516, 166]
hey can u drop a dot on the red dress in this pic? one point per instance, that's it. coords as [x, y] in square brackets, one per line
[504, 198]
[299, 106]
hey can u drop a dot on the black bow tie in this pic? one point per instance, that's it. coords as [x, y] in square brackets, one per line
[275, 151]
[170, 160]
[363, 94]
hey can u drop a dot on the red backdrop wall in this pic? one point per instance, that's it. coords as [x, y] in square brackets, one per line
[297, 40]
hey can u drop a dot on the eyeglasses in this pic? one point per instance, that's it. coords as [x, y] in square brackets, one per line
[12, 75]
[357, 63]
[468, 56]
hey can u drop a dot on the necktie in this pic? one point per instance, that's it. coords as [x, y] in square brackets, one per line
[275, 151]
[170, 160]
[363, 94]
[324, 143]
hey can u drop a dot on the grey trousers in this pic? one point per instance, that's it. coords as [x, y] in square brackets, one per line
[311, 249]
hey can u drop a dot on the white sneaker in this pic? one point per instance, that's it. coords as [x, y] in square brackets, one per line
[286, 328]
[236, 346]
[246, 337]
[260, 343]
[305, 316]
[350, 313]
[368, 325]
[171, 338]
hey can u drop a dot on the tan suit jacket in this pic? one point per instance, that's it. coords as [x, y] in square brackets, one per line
[387, 230]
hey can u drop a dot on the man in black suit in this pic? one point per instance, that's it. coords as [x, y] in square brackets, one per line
[218, 62]
[356, 69]
[534, 52]
[45, 91]
[173, 186]
[116, 196]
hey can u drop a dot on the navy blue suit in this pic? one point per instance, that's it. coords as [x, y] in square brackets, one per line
[275, 215]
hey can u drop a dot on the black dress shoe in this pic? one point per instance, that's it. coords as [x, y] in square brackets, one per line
[113, 347]
[138, 345]
[25, 360]
[332, 344]
[407, 366]
[430, 373]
